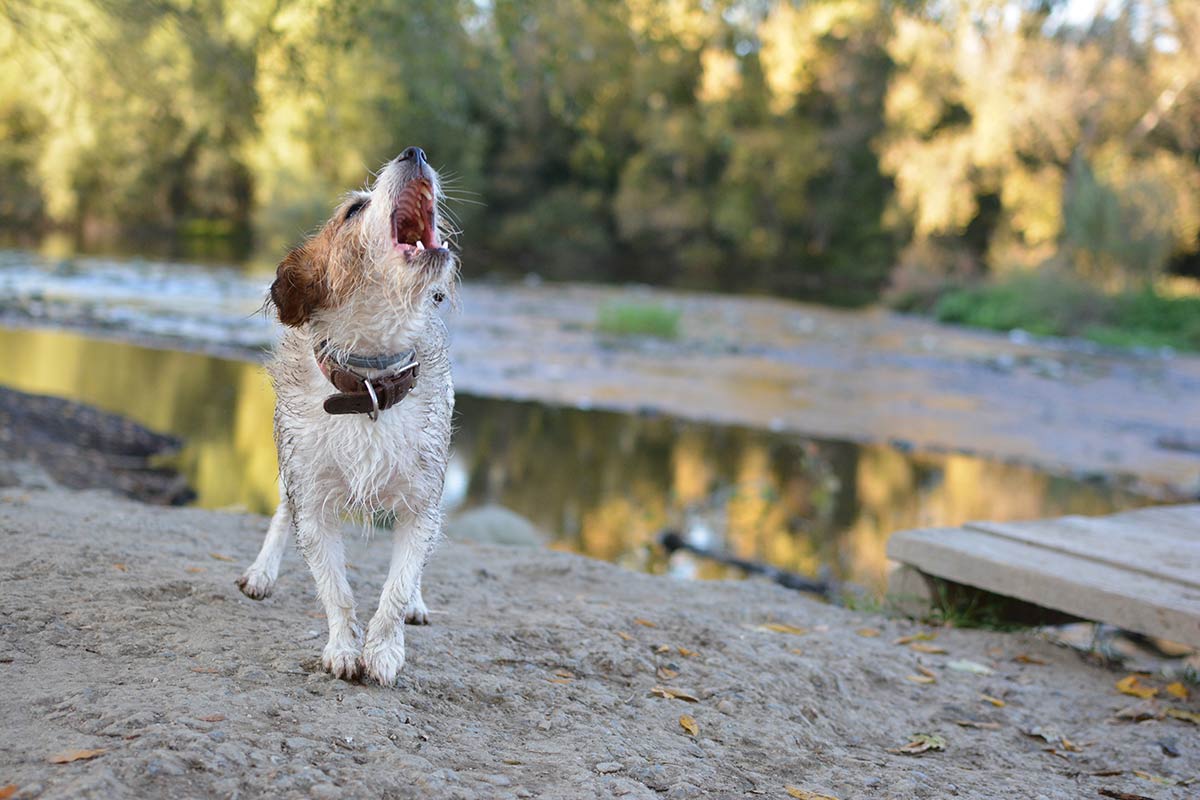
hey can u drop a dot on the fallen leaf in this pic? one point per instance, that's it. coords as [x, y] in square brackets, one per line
[1050, 735]
[213, 718]
[206, 670]
[1186, 716]
[683, 651]
[194, 570]
[996, 701]
[564, 673]
[1177, 689]
[223, 557]
[869, 633]
[689, 724]
[1023, 658]
[121, 567]
[963, 665]
[666, 673]
[625, 636]
[1108, 773]
[1131, 685]
[645, 623]
[1161, 781]
[796, 651]
[926, 671]
[926, 679]
[921, 743]
[1070, 746]
[779, 627]
[663, 648]
[76, 755]
[804, 794]
[1113, 793]
[8, 791]
[974, 723]
[676, 694]
[559, 680]
[930, 649]
[1138, 712]
[925, 636]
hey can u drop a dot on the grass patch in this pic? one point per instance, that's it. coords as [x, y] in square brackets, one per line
[1054, 305]
[638, 319]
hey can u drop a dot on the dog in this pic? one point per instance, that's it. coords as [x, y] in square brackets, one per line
[364, 400]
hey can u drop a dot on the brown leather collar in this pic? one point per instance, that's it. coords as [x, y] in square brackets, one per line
[358, 394]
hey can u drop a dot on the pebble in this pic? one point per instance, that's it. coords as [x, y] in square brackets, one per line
[608, 767]
[871, 783]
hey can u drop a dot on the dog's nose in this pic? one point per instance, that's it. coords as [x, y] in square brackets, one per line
[414, 153]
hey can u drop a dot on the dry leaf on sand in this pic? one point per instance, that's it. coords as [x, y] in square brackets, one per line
[213, 718]
[923, 679]
[683, 651]
[779, 627]
[868, 633]
[921, 743]
[926, 636]
[981, 724]
[8, 791]
[644, 623]
[1177, 689]
[1025, 658]
[666, 673]
[625, 636]
[1131, 685]
[675, 694]
[221, 557]
[973, 667]
[688, 723]
[76, 755]
[929, 649]
[804, 794]
[1186, 716]
[996, 701]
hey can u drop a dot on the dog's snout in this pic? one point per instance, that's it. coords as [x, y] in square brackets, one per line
[413, 154]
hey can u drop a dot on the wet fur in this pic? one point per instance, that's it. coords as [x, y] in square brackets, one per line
[350, 287]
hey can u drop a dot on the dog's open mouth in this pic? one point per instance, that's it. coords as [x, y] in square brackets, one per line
[413, 223]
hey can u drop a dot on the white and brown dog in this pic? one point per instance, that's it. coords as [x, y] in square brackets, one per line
[356, 431]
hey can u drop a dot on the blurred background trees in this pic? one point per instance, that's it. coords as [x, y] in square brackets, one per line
[827, 149]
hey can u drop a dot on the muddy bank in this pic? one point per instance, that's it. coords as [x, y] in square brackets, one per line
[859, 376]
[81, 447]
[124, 634]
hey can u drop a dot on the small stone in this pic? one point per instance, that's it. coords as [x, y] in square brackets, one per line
[871, 783]
[608, 767]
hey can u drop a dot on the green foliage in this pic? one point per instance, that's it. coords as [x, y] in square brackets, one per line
[1053, 304]
[631, 319]
[812, 149]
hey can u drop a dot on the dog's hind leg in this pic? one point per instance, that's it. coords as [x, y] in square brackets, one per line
[383, 652]
[319, 535]
[259, 578]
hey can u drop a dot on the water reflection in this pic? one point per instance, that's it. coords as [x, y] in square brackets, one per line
[602, 483]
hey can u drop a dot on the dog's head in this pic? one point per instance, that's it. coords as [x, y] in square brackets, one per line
[389, 238]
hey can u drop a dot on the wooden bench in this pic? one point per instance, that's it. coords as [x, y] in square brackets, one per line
[1139, 570]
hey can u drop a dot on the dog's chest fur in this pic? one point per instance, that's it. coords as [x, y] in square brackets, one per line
[356, 464]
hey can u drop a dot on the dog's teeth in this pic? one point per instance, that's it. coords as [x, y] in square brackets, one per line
[428, 195]
[420, 245]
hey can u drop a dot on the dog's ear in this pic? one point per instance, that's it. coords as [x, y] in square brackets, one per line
[300, 288]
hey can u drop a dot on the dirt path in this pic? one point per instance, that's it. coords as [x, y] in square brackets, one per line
[123, 632]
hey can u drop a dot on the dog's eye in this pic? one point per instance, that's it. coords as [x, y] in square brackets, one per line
[356, 207]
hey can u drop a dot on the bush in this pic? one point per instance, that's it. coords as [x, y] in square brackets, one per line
[632, 319]
[1053, 304]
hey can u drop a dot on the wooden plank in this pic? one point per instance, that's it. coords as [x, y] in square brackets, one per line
[1088, 588]
[1136, 541]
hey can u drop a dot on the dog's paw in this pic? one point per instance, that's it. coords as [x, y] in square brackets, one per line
[383, 660]
[255, 585]
[341, 660]
[417, 613]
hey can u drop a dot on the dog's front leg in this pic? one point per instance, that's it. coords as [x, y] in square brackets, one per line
[383, 653]
[319, 535]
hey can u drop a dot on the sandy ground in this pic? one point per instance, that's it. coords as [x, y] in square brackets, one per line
[123, 633]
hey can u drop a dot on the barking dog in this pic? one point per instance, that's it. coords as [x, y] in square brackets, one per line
[364, 400]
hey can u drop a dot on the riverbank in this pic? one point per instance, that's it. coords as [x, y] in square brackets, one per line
[859, 376]
[129, 654]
